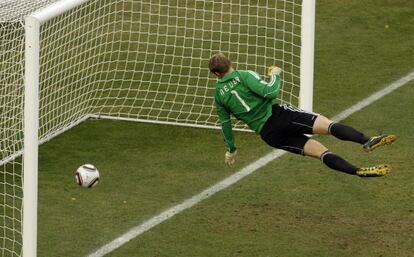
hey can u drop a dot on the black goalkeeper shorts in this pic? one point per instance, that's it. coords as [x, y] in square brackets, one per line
[287, 128]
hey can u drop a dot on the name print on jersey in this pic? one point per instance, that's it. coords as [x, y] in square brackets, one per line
[229, 86]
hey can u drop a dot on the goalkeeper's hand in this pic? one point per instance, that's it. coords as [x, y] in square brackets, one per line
[273, 70]
[230, 158]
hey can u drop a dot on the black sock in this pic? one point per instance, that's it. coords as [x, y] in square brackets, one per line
[347, 133]
[335, 162]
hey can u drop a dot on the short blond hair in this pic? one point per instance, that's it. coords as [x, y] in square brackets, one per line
[219, 63]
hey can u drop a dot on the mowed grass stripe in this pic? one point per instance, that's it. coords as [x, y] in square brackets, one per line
[249, 169]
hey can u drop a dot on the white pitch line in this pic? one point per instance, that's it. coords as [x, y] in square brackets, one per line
[249, 169]
[374, 97]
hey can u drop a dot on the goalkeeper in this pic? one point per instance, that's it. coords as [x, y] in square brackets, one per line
[250, 99]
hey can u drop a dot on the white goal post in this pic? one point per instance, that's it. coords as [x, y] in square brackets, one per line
[307, 55]
[31, 119]
[131, 60]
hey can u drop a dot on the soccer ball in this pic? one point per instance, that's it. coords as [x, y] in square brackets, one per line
[87, 175]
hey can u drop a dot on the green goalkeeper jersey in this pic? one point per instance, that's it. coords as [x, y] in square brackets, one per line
[249, 98]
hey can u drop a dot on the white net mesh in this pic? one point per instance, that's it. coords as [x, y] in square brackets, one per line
[140, 60]
[147, 60]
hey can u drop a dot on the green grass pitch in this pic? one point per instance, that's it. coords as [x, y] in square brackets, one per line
[292, 207]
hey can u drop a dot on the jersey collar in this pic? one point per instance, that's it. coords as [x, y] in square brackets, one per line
[228, 76]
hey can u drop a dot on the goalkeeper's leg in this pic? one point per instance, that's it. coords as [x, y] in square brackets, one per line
[324, 126]
[315, 149]
[303, 145]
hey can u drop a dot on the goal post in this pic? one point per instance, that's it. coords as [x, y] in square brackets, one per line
[30, 143]
[144, 61]
[307, 55]
[33, 23]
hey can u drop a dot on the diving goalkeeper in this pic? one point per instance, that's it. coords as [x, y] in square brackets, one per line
[245, 95]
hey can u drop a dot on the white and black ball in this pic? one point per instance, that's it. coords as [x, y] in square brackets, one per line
[87, 175]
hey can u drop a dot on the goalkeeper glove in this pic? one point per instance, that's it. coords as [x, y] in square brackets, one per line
[273, 70]
[230, 158]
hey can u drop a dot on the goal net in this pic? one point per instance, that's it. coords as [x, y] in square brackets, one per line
[147, 60]
[132, 60]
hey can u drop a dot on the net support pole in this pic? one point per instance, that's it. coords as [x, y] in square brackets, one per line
[307, 55]
[31, 127]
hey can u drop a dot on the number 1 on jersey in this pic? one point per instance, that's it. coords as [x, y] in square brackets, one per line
[234, 92]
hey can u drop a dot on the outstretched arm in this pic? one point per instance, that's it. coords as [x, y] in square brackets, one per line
[265, 89]
[225, 120]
